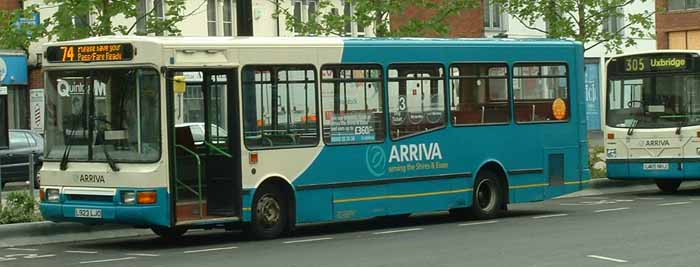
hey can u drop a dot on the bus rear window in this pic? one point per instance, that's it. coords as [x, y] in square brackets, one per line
[541, 92]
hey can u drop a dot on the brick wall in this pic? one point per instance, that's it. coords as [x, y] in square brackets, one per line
[36, 78]
[674, 21]
[468, 23]
[10, 4]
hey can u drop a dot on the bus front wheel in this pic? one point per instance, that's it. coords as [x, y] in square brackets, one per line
[269, 214]
[668, 186]
[487, 202]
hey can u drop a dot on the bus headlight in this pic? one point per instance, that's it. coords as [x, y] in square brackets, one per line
[129, 198]
[52, 195]
[611, 153]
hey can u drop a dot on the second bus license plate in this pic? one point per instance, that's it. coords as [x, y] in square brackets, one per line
[655, 166]
[88, 213]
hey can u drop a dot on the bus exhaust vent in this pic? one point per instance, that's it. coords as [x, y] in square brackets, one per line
[556, 169]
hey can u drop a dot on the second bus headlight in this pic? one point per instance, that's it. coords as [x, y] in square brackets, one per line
[129, 198]
[52, 195]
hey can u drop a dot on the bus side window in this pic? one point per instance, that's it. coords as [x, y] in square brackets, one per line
[541, 92]
[279, 106]
[353, 105]
[479, 93]
[416, 98]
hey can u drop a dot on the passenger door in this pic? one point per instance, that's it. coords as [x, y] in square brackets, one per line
[206, 178]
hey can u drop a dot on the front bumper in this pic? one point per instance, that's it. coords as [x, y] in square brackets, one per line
[113, 212]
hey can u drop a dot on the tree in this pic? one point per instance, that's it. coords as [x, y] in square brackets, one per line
[377, 13]
[583, 20]
[15, 32]
[71, 19]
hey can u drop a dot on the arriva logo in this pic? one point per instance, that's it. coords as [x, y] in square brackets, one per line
[376, 160]
[415, 152]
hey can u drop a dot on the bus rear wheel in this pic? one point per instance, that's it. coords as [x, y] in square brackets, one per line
[169, 233]
[269, 214]
[668, 186]
[487, 202]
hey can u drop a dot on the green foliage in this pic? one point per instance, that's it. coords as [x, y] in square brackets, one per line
[70, 20]
[377, 13]
[596, 173]
[583, 20]
[15, 36]
[19, 207]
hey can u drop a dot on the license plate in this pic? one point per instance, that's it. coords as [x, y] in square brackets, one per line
[88, 213]
[655, 166]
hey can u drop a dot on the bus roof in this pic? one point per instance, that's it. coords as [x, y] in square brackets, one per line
[658, 51]
[312, 41]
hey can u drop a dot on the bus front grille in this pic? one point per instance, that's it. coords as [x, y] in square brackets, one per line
[92, 198]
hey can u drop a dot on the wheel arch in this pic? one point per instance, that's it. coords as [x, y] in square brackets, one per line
[287, 189]
[497, 168]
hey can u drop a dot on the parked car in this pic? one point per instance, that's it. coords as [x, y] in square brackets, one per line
[14, 162]
[219, 135]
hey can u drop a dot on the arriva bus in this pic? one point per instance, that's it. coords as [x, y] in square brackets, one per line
[269, 133]
[652, 118]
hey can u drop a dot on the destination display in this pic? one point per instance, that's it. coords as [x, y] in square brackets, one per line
[654, 63]
[90, 53]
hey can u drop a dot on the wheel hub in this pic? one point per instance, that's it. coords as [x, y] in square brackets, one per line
[485, 195]
[268, 210]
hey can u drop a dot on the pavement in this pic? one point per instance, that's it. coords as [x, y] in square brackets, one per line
[631, 227]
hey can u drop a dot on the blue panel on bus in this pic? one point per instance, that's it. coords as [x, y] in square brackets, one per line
[592, 77]
[371, 180]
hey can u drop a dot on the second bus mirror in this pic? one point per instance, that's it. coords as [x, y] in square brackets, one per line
[180, 84]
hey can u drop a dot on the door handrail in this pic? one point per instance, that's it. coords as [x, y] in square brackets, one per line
[217, 149]
[199, 177]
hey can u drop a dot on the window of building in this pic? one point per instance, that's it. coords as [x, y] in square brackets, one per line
[228, 17]
[614, 24]
[279, 106]
[479, 93]
[683, 4]
[159, 10]
[416, 98]
[684, 40]
[493, 16]
[211, 17]
[312, 10]
[541, 92]
[141, 11]
[353, 103]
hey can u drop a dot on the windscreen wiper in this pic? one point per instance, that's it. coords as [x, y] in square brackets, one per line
[110, 161]
[66, 151]
[630, 131]
[680, 126]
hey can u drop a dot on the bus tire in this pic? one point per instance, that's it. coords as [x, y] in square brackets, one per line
[269, 213]
[668, 186]
[169, 233]
[487, 200]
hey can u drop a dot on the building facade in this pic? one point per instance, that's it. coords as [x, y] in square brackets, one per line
[678, 24]
[14, 78]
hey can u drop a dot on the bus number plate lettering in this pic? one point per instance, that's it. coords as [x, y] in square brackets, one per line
[655, 166]
[88, 213]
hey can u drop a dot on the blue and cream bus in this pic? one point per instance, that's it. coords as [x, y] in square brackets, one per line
[270, 133]
[652, 117]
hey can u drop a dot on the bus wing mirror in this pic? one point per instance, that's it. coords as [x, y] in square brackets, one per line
[180, 84]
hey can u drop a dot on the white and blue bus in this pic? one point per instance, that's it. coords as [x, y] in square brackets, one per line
[652, 117]
[181, 133]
